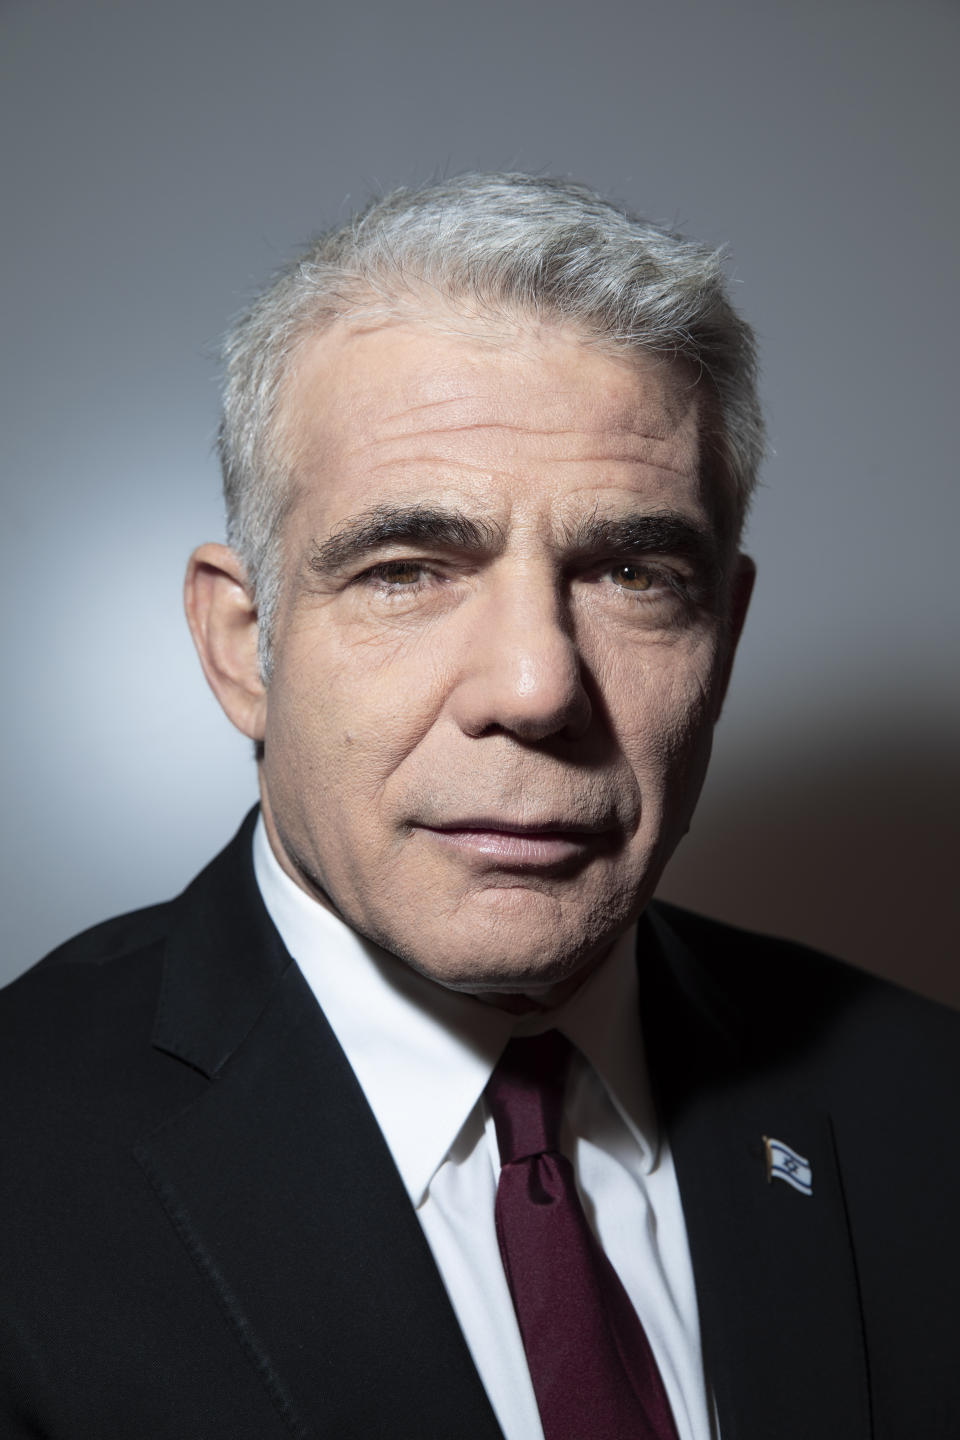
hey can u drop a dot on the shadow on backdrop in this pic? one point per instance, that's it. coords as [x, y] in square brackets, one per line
[854, 850]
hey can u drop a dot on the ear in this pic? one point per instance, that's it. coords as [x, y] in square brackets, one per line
[223, 622]
[741, 588]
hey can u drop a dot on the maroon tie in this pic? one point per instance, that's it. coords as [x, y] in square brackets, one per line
[593, 1372]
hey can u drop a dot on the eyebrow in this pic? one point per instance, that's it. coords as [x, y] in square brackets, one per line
[401, 524]
[662, 533]
[665, 532]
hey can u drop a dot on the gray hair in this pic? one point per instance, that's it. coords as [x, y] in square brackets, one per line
[503, 244]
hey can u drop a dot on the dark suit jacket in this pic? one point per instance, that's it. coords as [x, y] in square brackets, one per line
[203, 1234]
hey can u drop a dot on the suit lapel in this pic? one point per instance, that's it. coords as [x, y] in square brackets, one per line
[776, 1281]
[280, 1185]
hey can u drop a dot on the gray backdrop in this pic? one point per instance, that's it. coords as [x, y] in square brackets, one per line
[159, 159]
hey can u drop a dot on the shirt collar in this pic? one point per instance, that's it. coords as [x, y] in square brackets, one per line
[423, 1054]
[602, 1019]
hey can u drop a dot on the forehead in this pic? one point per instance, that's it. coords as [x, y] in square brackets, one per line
[525, 414]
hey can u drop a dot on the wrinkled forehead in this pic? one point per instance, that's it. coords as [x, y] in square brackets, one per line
[369, 372]
[403, 402]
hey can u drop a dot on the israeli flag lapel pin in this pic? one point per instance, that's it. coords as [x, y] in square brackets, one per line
[785, 1164]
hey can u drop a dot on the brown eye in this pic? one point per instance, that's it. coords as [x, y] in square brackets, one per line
[632, 577]
[401, 572]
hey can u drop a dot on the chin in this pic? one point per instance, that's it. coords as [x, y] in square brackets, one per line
[525, 935]
[509, 961]
[497, 975]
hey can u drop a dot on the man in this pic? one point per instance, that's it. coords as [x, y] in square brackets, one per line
[415, 1115]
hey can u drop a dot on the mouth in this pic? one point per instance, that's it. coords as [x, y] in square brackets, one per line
[508, 844]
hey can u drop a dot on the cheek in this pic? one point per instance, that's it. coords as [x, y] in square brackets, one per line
[345, 716]
[660, 704]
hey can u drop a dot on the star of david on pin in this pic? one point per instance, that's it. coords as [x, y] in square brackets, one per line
[785, 1164]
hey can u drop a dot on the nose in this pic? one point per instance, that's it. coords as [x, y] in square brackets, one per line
[522, 672]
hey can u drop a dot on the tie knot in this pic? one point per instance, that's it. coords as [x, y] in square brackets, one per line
[525, 1095]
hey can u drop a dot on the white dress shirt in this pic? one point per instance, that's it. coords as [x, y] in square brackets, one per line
[423, 1056]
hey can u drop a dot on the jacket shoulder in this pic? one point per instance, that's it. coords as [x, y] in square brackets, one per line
[100, 994]
[93, 961]
[111, 939]
[704, 934]
[81, 998]
[766, 974]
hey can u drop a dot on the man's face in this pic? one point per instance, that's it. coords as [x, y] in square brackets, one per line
[500, 649]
